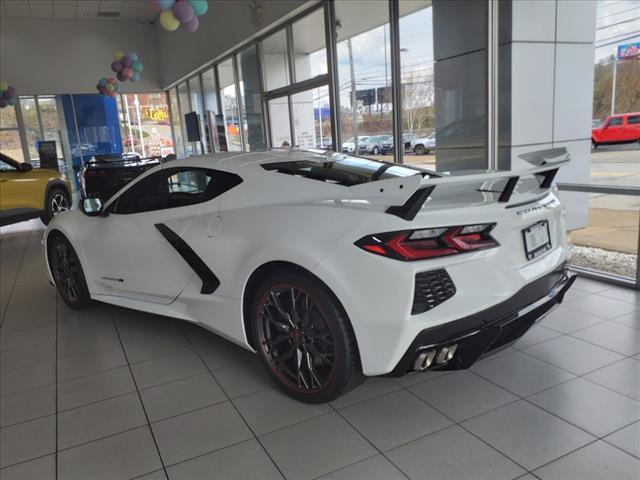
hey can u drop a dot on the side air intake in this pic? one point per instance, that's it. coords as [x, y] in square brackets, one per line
[431, 289]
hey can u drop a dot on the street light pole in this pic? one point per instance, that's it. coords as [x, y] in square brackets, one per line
[613, 86]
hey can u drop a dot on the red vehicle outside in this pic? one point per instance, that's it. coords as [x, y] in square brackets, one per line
[622, 128]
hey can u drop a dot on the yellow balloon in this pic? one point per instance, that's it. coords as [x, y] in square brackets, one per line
[3, 86]
[109, 87]
[118, 56]
[169, 21]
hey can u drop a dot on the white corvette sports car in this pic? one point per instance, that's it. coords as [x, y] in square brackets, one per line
[331, 267]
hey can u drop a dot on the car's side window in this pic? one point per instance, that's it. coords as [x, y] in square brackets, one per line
[7, 167]
[633, 119]
[172, 188]
[614, 122]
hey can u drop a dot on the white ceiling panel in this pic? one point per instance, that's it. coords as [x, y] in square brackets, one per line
[127, 10]
[88, 9]
[138, 10]
[41, 8]
[17, 8]
[65, 8]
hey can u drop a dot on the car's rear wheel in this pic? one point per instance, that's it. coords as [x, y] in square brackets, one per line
[375, 150]
[67, 273]
[305, 338]
[57, 201]
[420, 150]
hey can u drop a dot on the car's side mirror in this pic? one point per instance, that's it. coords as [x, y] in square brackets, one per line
[92, 207]
[25, 167]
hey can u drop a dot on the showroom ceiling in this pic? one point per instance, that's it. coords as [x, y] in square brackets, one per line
[129, 10]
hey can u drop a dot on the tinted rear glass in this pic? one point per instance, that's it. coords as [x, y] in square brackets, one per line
[346, 171]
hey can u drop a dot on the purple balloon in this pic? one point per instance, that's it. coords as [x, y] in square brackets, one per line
[116, 66]
[3, 102]
[191, 25]
[11, 90]
[183, 11]
[126, 61]
[121, 77]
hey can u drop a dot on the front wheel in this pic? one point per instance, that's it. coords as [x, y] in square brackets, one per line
[375, 150]
[419, 150]
[305, 338]
[67, 273]
[57, 201]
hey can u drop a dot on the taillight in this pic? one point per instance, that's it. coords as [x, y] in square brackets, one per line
[409, 245]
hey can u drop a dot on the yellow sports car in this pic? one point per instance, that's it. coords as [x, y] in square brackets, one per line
[27, 193]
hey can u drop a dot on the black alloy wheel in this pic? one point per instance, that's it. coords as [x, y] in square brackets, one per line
[305, 339]
[57, 201]
[67, 274]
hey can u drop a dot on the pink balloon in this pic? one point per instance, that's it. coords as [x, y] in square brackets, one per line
[191, 25]
[11, 90]
[121, 76]
[116, 66]
[127, 73]
[111, 80]
[183, 11]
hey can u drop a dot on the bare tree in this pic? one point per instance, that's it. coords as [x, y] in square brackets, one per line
[417, 101]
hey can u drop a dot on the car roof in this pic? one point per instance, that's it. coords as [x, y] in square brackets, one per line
[236, 162]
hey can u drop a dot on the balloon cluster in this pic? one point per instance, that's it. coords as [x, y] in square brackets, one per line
[108, 87]
[7, 95]
[127, 67]
[185, 13]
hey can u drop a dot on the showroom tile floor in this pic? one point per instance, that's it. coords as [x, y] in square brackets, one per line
[117, 394]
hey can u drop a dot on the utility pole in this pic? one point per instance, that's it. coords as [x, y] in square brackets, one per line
[354, 99]
[613, 86]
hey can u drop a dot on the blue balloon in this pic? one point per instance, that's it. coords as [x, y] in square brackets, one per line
[165, 4]
[135, 77]
[134, 56]
[102, 82]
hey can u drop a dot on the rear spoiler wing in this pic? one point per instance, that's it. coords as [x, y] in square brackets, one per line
[545, 166]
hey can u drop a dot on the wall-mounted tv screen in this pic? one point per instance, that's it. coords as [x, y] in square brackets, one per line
[192, 123]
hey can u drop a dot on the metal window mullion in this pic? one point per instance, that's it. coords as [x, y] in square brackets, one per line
[492, 85]
[180, 119]
[22, 134]
[332, 71]
[167, 96]
[39, 116]
[290, 52]
[396, 80]
[236, 81]
[203, 127]
[220, 107]
[266, 125]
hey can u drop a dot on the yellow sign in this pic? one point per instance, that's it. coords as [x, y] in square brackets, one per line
[156, 114]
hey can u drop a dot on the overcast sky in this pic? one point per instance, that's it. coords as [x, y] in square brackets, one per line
[609, 26]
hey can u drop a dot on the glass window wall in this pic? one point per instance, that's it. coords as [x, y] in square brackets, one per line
[309, 52]
[275, 64]
[185, 107]
[10, 143]
[312, 119]
[230, 110]
[251, 100]
[177, 124]
[196, 104]
[364, 72]
[211, 110]
[147, 125]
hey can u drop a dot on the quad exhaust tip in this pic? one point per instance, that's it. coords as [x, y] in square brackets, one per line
[440, 356]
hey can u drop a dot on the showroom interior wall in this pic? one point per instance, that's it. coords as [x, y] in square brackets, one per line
[48, 56]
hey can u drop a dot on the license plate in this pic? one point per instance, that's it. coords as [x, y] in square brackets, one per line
[536, 239]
